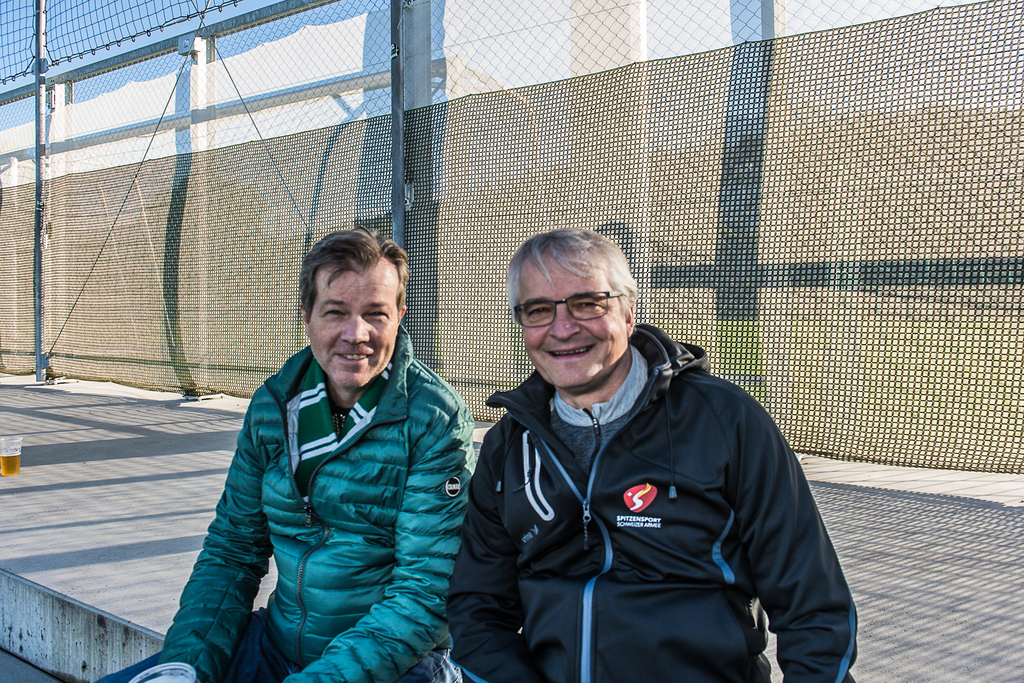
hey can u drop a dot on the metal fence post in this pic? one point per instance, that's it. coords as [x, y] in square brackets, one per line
[421, 131]
[397, 127]
[37, 270]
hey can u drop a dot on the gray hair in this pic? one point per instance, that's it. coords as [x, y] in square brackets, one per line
[358, 250]
[579, 252]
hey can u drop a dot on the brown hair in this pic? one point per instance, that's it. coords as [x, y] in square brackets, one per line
[355, 250]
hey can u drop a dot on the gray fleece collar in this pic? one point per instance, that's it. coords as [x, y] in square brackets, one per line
[611, 410]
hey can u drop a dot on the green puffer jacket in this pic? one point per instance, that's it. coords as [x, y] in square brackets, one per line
[362, 579]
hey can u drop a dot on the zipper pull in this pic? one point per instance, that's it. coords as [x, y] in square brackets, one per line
[586, 524]
[309, 514]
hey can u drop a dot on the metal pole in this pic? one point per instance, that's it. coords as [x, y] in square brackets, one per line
[397, 127]
[42, 362]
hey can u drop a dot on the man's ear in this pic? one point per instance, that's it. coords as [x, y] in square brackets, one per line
[401, 314]
[631, 318]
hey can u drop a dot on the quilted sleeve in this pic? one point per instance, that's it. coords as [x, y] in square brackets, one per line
[217, 600]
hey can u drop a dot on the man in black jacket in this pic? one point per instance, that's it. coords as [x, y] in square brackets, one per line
[631, 514]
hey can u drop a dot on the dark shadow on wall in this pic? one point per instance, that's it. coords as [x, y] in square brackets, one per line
[739, 198]
[171, 274]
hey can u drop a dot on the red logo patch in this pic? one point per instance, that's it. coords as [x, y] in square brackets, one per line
[639, 497]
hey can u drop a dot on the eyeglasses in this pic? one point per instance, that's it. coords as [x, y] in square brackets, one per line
[586, 306]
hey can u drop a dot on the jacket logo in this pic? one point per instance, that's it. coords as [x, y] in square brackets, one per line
[639, 497]
[452, 487]
[529, 535]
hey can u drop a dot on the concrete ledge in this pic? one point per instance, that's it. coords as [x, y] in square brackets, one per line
[67, 638]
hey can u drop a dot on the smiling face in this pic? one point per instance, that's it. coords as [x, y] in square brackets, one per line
[586, 360]
[353, 327]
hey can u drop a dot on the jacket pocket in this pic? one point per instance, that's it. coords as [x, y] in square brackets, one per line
[658, 633]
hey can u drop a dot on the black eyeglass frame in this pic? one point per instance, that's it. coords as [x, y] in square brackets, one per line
[517, 311]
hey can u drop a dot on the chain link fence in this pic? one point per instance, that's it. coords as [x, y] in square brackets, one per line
[828, 201]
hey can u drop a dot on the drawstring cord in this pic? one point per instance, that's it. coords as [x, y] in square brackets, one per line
[671, 453]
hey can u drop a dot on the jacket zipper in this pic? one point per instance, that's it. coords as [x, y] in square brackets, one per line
[298, 591]
[586, 644]
[307, 507]
[597, 434]
[310, 514]
[586, 501]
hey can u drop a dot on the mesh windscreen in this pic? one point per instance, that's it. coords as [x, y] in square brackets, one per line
[194, 287]
[835, 217]
[17, 305]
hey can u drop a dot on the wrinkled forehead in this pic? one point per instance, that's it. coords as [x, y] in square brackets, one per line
[548, 277]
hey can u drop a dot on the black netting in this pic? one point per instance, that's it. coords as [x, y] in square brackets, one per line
[835, 217]
[196, 287]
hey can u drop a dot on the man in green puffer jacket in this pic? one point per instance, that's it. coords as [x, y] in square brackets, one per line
[351, 469]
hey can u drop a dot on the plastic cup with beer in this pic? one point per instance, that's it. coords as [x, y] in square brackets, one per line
[172, 672]
[10, 455]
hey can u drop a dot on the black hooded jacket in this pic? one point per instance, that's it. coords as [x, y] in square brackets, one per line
[655, 565]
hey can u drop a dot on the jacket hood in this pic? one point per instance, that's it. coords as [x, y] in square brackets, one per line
[665, 358]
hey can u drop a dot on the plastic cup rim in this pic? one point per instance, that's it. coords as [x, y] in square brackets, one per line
[169, 667]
